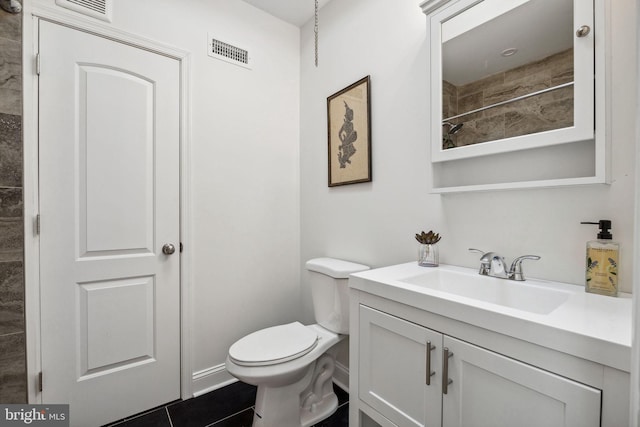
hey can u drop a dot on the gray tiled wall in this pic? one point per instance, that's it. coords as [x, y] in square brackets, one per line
[12, 325]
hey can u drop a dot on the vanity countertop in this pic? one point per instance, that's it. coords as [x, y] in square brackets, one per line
[590, 326]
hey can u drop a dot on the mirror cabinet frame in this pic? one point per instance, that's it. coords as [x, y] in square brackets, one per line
[589, 133]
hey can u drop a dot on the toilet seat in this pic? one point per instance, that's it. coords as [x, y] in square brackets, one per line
[274, 345]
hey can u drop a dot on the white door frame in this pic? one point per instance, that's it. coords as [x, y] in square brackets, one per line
[32, 15]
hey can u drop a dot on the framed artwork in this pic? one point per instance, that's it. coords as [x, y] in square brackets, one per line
[349, 134]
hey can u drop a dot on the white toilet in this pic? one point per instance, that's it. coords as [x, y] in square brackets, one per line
[293, 364]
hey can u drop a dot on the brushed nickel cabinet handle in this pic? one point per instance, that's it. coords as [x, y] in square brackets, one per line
[430, 373]
[446, 354]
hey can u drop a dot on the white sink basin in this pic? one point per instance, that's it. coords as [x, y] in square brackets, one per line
[552, 314]
[525, 296]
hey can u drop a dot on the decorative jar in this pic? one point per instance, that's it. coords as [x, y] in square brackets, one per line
[428, 255]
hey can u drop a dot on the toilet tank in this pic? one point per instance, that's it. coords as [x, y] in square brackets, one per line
[330, 291]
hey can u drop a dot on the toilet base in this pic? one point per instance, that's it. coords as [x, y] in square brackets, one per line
[319, 400]
[319, 412]
[303, 403]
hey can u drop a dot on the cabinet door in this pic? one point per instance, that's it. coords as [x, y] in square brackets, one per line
[490, 390]
[393, 369]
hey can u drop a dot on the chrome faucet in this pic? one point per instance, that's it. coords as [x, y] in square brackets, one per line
[492, 264]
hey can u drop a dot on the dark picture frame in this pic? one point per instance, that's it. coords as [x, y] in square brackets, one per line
[349, 134]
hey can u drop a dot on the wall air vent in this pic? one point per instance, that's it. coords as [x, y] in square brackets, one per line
[100, 9]
[228, 52]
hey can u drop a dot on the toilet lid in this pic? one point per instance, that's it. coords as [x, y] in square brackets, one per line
[274, 345]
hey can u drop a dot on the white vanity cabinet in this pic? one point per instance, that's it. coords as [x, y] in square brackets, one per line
[402, 376]
[565, 364]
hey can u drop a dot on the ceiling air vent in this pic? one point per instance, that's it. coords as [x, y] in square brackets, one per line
[228, 52]
[100, 9]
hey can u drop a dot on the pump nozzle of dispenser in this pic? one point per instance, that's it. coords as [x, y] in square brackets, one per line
[605, 226]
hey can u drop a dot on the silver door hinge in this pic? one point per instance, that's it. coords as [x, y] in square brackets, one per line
[37, 63]
[37, 224]
[40, 382]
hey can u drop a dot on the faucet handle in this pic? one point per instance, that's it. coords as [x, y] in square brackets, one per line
[515, 272]
[485, 264]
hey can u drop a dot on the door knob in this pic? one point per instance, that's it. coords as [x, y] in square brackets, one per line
[168, 249]
[583, 31]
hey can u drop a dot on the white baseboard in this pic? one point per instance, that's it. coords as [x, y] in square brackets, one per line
[341, 376]
[217, 377]
[210, 379]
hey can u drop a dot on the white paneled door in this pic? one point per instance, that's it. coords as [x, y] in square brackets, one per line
[109, 204]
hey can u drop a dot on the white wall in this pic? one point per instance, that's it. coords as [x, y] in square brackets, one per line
[374, 223]
[244, 168]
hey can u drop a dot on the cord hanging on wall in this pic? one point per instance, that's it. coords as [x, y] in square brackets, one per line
[315, 31]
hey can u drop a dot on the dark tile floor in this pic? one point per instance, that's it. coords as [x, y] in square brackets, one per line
[230, 406]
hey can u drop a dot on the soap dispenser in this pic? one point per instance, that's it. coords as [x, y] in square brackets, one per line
[602, 262]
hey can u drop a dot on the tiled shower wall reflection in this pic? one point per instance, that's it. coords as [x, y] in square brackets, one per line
[12, 325]
[548, 111]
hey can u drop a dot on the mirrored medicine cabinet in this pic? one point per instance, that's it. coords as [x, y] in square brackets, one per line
[518, 93]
